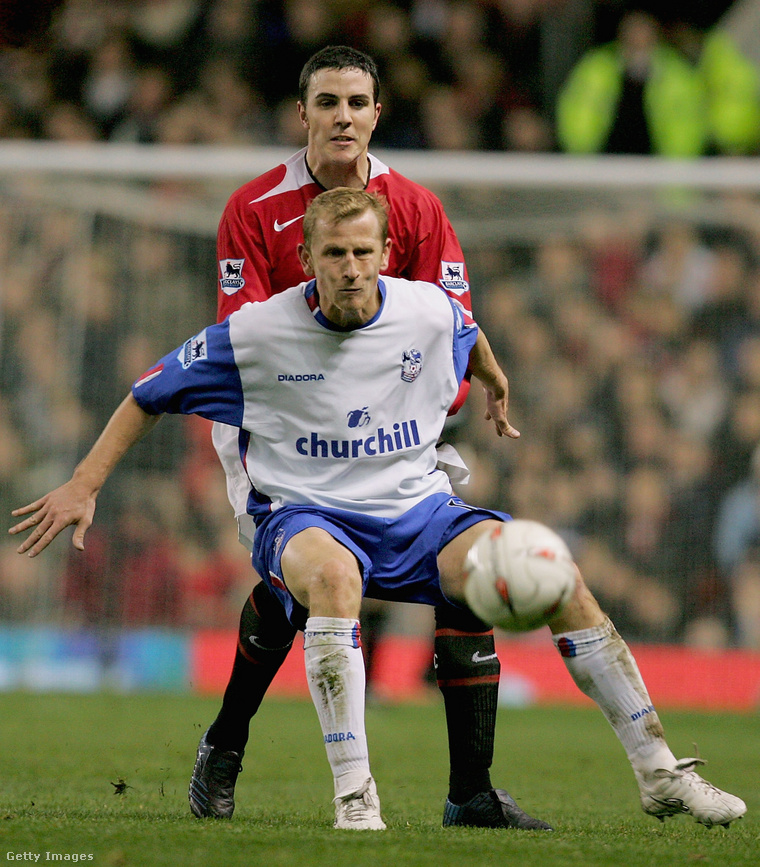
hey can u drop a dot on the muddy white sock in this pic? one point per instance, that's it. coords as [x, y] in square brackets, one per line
[335, 673]
[604, 669]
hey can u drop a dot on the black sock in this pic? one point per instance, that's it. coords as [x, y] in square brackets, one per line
[265, 637]
[467, 670]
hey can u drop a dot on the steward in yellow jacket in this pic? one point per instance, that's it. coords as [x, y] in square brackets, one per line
[636, 80]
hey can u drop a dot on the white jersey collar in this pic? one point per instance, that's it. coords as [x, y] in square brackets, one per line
[297, 175]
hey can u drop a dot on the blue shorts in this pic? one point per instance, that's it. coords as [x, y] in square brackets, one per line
[398, 556]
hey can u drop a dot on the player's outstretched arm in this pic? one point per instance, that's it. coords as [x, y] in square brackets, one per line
[485, 367]
[74, 501]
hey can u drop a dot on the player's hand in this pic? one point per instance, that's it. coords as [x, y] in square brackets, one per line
[497, 401]
[72, 503]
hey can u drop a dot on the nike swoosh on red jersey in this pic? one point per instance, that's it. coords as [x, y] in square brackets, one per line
[278, 226]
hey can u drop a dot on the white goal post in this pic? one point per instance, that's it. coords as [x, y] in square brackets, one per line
[425, 167]
[488, 196]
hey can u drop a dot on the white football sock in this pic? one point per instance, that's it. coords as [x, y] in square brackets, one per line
[603, 668]
[335, 672]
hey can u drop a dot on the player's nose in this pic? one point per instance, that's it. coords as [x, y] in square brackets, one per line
[351, 269]
[342, 114]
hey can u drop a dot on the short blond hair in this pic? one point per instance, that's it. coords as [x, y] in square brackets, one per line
[343, 203]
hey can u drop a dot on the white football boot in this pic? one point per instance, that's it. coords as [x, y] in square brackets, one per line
[681, 790]
[359, 810]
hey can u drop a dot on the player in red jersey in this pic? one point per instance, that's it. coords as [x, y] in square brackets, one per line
[259, 233]
[262, 226]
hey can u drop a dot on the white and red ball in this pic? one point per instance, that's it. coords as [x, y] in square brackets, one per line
[519, 576]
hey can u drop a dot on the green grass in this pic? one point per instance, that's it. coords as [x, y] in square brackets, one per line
[60, 755]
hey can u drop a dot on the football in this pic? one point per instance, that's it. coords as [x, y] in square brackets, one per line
[519, 576]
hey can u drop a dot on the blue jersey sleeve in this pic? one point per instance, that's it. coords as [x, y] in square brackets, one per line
[200, 377]
[465, 336]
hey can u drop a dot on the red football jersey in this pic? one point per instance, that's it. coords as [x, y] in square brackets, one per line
[261, 228]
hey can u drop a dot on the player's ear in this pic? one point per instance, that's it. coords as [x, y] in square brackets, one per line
[302, 115]
[386, 254]
[305, 259]
[378, 109]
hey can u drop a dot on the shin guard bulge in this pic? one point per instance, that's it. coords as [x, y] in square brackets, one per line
[336, 678]
[604, 669]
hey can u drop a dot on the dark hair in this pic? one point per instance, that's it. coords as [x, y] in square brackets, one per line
[338, 57]
[344, 203]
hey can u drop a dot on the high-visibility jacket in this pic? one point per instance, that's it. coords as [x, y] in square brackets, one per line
[732, 85]
[674, 103]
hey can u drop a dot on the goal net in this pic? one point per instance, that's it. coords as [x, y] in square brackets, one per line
[621, 295]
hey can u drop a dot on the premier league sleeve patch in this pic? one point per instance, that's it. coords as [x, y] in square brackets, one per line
[452, 278]
[232, 279]
[195, 349]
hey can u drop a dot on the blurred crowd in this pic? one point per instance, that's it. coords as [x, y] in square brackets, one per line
[633, 352]
[109, 298]
[632, 341]
[516, 75]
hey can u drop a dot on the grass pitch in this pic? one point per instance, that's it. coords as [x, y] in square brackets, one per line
[102, 780]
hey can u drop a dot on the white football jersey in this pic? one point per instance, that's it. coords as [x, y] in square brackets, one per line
[347, 419]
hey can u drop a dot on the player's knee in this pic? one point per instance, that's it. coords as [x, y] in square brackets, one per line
[334, 589]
